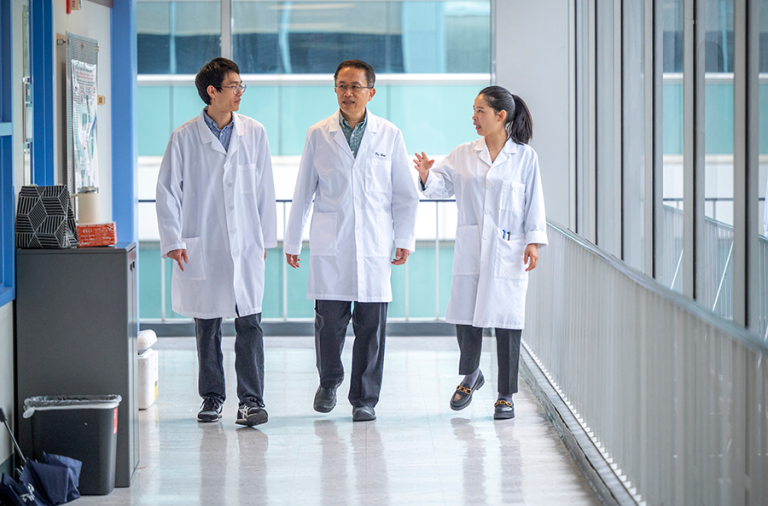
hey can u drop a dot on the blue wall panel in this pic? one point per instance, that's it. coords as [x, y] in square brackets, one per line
[42, 44]
[124, 121]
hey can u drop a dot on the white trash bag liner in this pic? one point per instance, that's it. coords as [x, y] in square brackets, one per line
[57, 402]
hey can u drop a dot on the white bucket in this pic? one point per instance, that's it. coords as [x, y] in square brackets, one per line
[147, 378]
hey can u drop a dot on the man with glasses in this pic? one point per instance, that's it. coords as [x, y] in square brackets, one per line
[217, 216]
[356, 169]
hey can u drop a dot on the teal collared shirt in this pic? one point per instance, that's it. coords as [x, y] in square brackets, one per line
[353, 135]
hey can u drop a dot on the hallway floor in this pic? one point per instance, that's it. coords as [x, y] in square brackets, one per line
[418, 451]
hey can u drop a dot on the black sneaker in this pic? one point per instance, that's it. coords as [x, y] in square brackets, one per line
[210, 410]
[251, 413]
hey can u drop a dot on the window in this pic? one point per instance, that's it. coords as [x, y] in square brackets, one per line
[177, 37]
[393, 36]
[633, 133]
[608, 128]
[762, 256]
[669, 266]
[717, 292]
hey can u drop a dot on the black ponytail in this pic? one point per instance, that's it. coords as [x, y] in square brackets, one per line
[519, 123]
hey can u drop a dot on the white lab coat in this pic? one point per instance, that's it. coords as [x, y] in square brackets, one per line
[220, 206]
[503, 198]
[360, 205]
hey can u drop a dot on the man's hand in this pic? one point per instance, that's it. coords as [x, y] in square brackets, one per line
[532, 255]
[293, 260]
[179, 255]
[265, 253]
[401, 255]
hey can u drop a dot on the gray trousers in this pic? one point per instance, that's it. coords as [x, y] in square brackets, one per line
[369, 322]
[507, 352]
[249, 359]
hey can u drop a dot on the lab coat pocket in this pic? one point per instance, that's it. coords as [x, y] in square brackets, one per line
[246, 178]
[322, 235]
[512, 197]
[466, 257]
[195, 269]
[378, 177]
[510, 258]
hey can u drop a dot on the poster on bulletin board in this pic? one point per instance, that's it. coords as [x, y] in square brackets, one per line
[84, 104]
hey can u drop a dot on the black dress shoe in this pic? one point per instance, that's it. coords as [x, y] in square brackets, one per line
[363, 414]
[325, 399]
[503, 410]
[463, 395]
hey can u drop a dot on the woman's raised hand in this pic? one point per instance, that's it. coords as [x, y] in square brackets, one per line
[423, 164]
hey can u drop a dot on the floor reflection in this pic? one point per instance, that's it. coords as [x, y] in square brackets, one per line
[252, 447]
[473, 463]
[333, 463]
[213, 461]
[509, 483]
[417, 452]
[371, 477]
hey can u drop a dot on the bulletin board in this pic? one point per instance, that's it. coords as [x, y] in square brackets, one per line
[82, 91]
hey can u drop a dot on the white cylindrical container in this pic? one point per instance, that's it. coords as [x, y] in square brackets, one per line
[88, 205]
[147, 378]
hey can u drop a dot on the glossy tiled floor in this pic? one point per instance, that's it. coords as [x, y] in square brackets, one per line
[417, 452]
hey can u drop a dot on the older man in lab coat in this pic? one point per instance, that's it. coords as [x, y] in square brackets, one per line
[217, 217]
[356, 169]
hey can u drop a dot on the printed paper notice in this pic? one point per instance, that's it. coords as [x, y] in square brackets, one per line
[84, 99]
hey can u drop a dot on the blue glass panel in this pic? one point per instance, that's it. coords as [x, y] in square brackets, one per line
[154, 119]
[185, 104]
[433, 119]
[261, 103]
[300, 108]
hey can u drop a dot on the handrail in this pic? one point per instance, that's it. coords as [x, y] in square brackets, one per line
[747, 337]
[321, 79]
[288, 201]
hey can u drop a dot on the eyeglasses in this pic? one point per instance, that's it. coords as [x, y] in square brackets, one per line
[355, 88]
[236, 88]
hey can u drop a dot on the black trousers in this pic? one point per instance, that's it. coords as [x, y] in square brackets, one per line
[507, 352]
[369, 322]
[249, 358]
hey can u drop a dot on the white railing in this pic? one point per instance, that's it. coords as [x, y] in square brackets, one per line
[674, 397]
[283, 210]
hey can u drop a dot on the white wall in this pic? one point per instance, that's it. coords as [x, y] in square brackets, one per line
[93, 22]
[532, 61]
[7, 386]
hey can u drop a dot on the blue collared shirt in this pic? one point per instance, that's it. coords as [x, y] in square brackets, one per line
[224, 135]
[354, 136]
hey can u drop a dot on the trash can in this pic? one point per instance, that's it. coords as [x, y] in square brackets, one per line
[82, 427]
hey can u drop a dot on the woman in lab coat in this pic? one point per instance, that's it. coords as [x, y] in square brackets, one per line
[500, 227]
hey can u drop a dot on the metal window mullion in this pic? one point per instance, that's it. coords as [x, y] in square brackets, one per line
[658, 137]
[752, 161]
[492, 48]
[572, 118]
[650, 90]
[693, 145]
[618, 129]
[581, 49]
[226, 29]
[699, 245]
[741, 203]
[592, 111]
